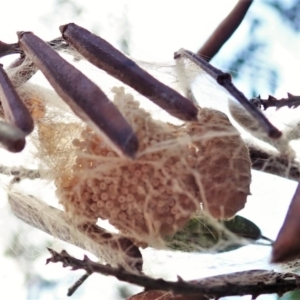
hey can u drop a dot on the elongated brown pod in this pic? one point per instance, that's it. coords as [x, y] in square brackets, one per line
[224, 79]
[15, 111]
[287, 244]
[11, 138]
[82, 95]
[103, 55]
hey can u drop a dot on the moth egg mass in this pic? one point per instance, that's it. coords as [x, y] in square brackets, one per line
[177, 171]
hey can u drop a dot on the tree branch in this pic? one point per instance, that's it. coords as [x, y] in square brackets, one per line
[254, 282]
[272, 163]
[77, 284]
[20, 172]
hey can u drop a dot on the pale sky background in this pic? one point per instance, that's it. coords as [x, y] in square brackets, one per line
[157, 30]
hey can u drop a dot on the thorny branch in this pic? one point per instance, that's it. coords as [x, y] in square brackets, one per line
[254, 282]
[291, 102]
[225, 30]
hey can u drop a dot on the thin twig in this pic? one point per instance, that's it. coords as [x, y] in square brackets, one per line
[59, 44]
[7, 49]
[77, 284]
[224, 79]
[254, 282]
[225, 30]
[20, 172]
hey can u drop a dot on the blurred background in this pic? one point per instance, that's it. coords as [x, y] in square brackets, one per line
[263, 58]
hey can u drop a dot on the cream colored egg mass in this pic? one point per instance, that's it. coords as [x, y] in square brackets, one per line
[178, 171]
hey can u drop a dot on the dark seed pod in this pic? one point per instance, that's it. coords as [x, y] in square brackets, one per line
[103, 55]
[224, 79]
[15, 111]
[287, 244]
[11, 138]
[83, 96]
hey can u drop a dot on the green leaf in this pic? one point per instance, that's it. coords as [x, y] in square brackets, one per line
[202, 234]
[295, 295]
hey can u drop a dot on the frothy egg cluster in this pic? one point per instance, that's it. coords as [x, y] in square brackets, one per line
[178, 171]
